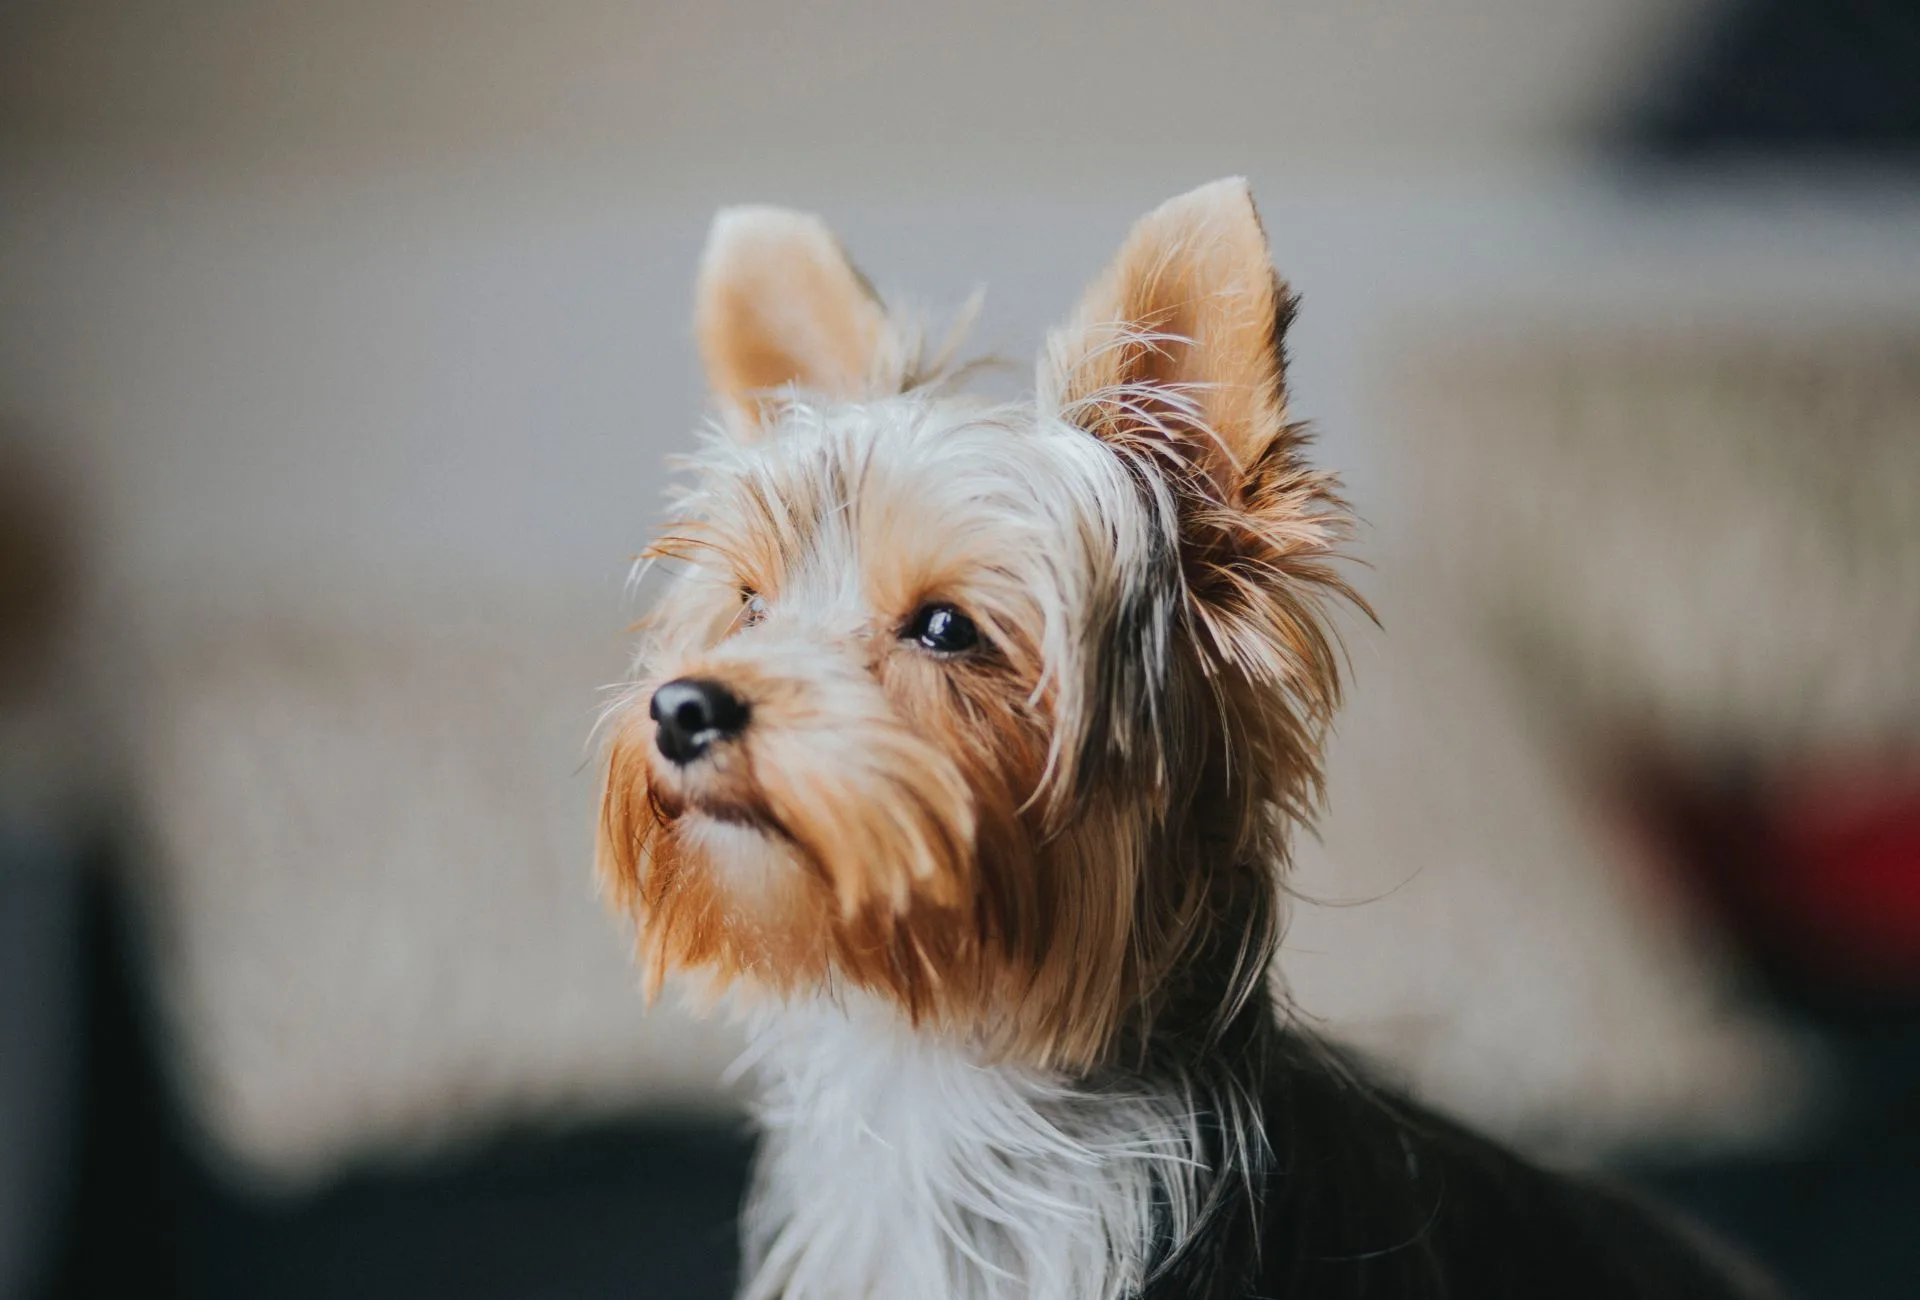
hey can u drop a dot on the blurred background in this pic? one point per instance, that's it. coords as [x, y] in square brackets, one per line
[340, 347]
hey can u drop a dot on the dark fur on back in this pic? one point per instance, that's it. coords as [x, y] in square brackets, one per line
[1361, 1194]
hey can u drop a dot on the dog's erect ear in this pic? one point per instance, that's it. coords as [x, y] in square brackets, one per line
[1182, 332]
[778, 304]
[1175, 359]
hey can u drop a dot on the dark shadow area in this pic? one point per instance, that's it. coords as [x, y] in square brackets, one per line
[1835, 1218]
[1786, 77]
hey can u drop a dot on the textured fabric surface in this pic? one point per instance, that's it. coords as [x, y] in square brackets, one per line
[370, 872]
[1706, 540]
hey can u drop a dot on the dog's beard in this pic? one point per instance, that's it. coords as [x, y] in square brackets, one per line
[882, 816]
[830, 838]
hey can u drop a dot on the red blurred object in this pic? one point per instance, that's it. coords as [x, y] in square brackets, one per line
[1848, 868]
[1816, 871]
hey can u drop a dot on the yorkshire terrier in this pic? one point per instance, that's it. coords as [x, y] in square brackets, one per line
[965, 751]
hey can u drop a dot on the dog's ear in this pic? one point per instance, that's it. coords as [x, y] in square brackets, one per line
[1184, 332]
[1175, 359]
[778, 305]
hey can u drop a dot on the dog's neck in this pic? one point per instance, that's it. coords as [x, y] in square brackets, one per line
[897, 1162]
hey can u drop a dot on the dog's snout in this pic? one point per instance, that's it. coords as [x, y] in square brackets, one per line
[693, 714]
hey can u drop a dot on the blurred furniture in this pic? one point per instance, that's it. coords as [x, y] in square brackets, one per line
[1697, 558]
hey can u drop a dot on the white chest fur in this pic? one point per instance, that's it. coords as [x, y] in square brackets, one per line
[896, 1166]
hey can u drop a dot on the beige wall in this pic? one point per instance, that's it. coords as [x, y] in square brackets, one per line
[391, 295]
[899, 98]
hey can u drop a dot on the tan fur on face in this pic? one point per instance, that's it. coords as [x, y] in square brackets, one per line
[1036, 846]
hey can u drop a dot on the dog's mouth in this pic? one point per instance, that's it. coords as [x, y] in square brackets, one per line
[672, 805]
[697, 815]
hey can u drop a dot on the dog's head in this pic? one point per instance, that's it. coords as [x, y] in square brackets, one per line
[999, 712]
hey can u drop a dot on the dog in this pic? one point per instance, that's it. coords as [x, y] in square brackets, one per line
[963, 757]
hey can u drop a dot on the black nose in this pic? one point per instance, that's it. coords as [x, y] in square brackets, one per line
[693, 714]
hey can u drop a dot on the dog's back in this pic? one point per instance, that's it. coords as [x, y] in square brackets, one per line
[1368, 1196]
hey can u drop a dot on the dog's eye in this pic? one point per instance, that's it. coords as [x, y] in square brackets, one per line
[753, 607]
[942, 628]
